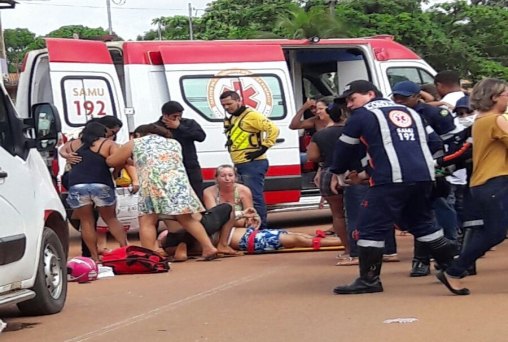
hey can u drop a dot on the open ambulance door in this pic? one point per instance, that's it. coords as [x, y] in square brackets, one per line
[84, 84]
[197, 74]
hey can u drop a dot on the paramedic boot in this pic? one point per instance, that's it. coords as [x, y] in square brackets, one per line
[371, 259]
[443, 251]
[468, 235]
[421, 260]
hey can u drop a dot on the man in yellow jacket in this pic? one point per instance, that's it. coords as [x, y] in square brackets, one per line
[249, 135]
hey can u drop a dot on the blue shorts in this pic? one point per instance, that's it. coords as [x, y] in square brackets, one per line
[101, 195]
[265, 240]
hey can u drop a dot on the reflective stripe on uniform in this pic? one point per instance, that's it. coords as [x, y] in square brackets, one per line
[349, 140]
[431, 237]
[423, 142]
[388, 145]
[370, 243]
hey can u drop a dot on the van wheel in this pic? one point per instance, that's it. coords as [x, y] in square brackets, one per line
[51, 280]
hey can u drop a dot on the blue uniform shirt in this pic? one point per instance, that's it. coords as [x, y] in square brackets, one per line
[399, 144]
[440, 119]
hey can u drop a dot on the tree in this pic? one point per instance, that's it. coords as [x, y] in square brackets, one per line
[82, 32]
[316, 21]
[233, 19]
[17, 43]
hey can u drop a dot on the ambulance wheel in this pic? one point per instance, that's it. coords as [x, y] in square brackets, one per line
[50, 285]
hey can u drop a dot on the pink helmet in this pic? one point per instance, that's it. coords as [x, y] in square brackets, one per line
[82, 269]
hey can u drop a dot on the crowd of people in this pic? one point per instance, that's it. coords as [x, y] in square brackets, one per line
[404, 162]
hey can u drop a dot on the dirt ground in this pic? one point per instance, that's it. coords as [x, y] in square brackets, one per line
[275, 297]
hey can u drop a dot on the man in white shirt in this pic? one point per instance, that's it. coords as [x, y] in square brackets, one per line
[447, 84]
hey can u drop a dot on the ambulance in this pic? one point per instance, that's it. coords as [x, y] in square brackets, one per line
[131, 80]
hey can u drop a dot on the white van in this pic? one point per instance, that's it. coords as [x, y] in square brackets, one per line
[34, 235]
[132, 80]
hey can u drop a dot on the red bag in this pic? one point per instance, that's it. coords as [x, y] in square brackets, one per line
[135, 259]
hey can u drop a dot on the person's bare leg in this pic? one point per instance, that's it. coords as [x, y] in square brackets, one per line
[181, 252]
[196, 229]
[88, 234]
[108, 214]
[339, 222]
[294, 240]
[102, 241]
[223, 246]
[148, 231]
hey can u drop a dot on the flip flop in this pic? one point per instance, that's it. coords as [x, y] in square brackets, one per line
[230, 255]
[348, 261]
[212, 257]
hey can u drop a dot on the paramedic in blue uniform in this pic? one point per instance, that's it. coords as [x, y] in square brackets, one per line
[400, 148]
[186, 132]
[442, 122]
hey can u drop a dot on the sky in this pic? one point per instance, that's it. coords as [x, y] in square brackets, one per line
[130, 19]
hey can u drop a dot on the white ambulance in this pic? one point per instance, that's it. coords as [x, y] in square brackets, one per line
[132, 80]
[34, 236]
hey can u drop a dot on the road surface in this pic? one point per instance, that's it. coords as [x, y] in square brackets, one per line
[275, 297]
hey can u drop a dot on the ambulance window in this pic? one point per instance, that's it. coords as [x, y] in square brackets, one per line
[413, 74]
[86, 98]
[262, 92]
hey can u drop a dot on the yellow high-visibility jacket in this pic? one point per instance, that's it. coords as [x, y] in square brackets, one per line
[248, 132]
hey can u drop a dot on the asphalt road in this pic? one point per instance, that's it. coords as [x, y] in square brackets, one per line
[275, 297]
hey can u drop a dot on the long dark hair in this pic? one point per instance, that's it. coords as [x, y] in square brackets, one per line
[91, 133]
[152, 129]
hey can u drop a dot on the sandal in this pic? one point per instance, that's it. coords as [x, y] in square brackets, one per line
[348, 261]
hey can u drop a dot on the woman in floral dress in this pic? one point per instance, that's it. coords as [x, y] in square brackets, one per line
[165, 191]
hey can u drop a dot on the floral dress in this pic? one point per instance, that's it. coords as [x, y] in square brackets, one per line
[164, 186]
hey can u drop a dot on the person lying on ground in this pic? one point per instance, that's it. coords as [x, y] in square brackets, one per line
[180, 244]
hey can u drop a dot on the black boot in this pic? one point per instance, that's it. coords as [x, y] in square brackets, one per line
[421, 260]
[443, 251]
[370, 259]
[468, 235]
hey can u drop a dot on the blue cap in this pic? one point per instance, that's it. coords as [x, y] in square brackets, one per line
[463, 102]
[406, 88]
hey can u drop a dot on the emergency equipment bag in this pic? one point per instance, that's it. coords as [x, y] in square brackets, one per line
[134, 260]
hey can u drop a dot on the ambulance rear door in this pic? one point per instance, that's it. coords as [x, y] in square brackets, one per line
[84, 83]
[198, 73]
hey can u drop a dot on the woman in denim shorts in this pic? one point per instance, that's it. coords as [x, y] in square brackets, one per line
[91, 184]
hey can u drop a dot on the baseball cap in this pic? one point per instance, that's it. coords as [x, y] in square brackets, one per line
[463, 102]
[359, 86]
[406, 88]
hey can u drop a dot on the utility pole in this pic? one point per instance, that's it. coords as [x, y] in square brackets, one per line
[110, 25]
[191, 33]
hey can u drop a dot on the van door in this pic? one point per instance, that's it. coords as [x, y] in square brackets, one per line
[17, 218]
[197, 74]
[84, 83]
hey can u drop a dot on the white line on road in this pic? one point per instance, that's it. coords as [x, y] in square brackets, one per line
[168, 307]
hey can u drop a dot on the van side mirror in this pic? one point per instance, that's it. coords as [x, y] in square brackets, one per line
[47, 126]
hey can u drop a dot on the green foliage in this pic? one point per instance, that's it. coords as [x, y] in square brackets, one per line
[81, 31]
[317, 21]
[169, 28]
[237, 19]
[17, 42]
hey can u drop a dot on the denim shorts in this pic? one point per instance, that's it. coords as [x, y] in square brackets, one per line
[94, 193]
